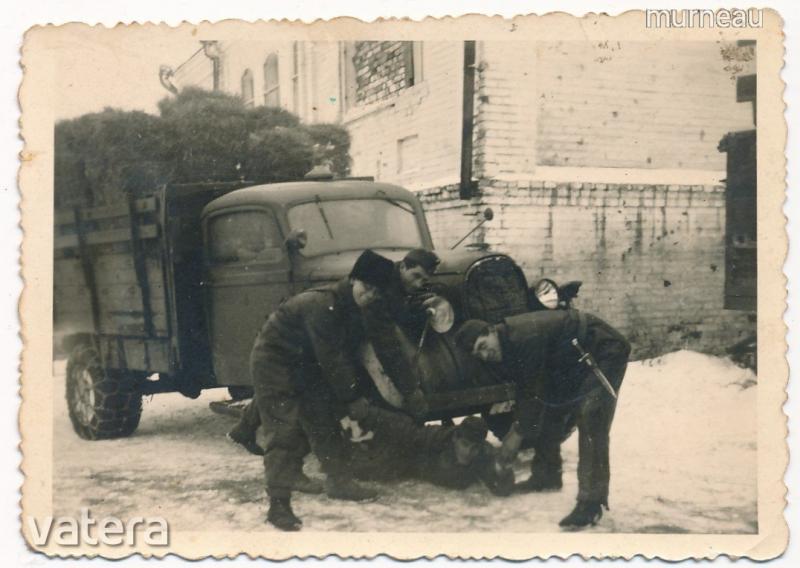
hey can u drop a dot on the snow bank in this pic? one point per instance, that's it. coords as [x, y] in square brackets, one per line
[683, 460]
[684, 446]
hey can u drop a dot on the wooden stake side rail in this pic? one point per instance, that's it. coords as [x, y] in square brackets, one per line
[140, 265]
[67, 216]
[105, 237]
[72, 221]
[131, 353]
[114, 292]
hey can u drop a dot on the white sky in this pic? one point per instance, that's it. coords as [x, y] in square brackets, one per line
[92, 76]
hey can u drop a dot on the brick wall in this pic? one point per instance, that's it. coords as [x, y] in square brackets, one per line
[651, 257]
[382, 68]
[505, 121]
[414, 137]
[650, 106]
[555, 127]
[555, 124]
[657, 105]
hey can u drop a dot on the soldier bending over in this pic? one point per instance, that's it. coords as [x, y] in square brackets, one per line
[557, 391]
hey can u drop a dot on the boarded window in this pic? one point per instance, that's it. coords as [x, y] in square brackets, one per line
[272, 96]
[379, 70]
[244, 237]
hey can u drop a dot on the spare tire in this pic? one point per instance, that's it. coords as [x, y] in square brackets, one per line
[103, 404]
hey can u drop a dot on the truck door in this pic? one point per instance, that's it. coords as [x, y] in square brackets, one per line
[248, 277]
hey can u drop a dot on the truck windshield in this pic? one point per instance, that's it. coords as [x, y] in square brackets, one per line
[354, 224]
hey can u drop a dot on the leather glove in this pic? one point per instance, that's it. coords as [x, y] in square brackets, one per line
[358, 409]
[420, 299]
[416, 404]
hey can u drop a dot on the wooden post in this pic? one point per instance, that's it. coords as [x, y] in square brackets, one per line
[140, 266]
[88, 269]
[467, 187]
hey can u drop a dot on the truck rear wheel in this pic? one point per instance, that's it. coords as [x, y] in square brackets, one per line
[102, 404]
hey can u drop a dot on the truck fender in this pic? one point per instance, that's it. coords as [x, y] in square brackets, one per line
[69, 342]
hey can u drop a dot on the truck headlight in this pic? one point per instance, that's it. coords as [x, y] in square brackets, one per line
[440, 314]
[546, 292]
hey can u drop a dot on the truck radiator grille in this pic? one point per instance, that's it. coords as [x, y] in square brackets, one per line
[494, 289]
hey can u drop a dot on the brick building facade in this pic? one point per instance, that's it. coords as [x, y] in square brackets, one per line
[599, 159]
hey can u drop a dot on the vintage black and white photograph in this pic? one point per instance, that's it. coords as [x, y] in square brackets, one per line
[396, 285]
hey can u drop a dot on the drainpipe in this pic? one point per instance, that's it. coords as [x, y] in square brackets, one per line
[212, 51]
[467, 187]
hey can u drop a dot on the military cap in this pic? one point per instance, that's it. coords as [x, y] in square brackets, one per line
[424, 258]
[373, 269]
[469, 332]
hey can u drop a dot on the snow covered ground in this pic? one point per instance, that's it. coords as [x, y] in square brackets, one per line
[683, 459]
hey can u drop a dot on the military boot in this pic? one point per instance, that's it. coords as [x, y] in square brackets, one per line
[305, 484]
[280, 514]
[540, 481]
[247, 442]
[337, 487]
[585, 513]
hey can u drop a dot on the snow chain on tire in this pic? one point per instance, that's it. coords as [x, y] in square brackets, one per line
[102, 404]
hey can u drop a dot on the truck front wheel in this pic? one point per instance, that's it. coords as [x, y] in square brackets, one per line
[103, 404]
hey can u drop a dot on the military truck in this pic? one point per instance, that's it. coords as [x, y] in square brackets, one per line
[166, 292]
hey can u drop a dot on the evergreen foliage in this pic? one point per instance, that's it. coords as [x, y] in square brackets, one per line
[198, 136]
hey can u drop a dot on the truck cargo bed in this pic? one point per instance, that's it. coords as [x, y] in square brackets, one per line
[110, 280]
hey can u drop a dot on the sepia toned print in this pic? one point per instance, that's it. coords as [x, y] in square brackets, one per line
[474, 287]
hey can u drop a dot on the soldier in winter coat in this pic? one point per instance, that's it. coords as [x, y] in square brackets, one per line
[395, 322]
[409, 289]
[557, 391]
[401, 306]
[305, 374]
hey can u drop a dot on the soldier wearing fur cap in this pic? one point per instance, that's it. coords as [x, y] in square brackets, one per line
[401, 307]
[305, 375]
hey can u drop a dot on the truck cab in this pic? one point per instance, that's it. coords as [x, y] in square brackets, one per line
[216, 259]
[266, 243]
